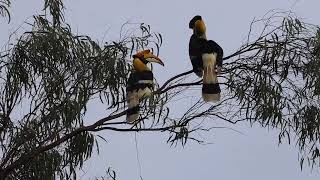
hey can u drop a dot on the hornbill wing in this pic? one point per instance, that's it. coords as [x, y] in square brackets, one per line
[196, 45]
[140, 85]
[217, 49]
[132, 98]
[133, 106]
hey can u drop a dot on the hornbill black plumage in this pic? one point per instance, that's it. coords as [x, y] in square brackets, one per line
[140, 82]
[206, 58]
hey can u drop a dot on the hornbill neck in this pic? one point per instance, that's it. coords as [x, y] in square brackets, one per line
[203, 36]
[139, 65]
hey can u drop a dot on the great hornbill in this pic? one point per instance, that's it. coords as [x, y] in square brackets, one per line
[140, 82]
[206, 58]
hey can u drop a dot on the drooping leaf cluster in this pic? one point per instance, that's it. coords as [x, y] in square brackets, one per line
[4, 9]
[275, 80]
[55, 8]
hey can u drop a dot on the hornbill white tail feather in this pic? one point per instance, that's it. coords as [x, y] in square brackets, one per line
[133, 106]
[133, 100]
[210, 89]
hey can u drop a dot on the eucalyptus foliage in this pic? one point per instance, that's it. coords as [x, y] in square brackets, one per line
[4, 8]
[272, 80]
[275, 79]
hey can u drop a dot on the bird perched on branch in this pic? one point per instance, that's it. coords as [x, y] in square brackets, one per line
[206, 59]
[140, 82]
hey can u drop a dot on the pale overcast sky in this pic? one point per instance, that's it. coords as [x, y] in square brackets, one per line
[250, 155]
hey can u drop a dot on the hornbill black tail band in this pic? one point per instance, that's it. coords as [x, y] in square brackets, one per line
[211, 88]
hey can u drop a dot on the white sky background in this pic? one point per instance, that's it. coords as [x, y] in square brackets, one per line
[252, 155]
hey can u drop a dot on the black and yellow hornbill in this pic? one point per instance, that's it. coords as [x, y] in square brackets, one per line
[140, 82]
[206, 58]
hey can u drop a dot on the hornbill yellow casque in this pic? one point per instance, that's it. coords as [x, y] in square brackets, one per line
[206, 58]
[140, 82]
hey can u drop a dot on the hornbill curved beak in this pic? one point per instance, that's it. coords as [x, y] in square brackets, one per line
[152, 58]
[149, 57]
